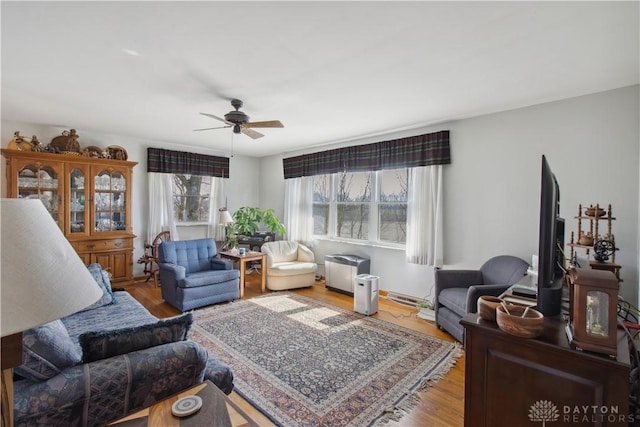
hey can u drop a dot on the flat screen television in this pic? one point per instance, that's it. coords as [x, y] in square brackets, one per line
[550, 242]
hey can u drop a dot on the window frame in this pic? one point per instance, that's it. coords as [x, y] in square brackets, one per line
[183, 223]
[373, 204]
[379, 203]
[322, 203]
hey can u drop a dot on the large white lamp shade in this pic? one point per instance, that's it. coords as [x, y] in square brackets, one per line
[42, 278]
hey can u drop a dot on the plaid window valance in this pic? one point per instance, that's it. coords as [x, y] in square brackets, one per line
[168, 161]
[421, 150]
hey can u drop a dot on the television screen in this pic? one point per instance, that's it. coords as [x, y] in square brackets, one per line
[549, 281]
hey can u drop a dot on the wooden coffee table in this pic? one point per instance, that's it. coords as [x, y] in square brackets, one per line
[217, 411]
[242, 265]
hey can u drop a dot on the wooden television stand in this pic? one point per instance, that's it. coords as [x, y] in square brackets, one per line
[507, 377]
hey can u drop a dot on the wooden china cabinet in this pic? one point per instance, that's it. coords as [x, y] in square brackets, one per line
[89, 198]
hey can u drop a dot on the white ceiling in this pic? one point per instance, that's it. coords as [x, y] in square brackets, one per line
[330, 71]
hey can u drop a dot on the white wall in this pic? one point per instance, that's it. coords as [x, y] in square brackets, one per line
[492, 186]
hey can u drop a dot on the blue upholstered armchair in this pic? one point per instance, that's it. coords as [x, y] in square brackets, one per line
[457, 291]
[192, 276]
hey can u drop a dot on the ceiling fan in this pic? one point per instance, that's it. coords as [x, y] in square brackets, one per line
[240, 123]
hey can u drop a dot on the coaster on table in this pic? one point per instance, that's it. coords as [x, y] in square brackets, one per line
[186, 406]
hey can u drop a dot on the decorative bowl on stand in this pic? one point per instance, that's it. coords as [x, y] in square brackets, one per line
[487, 305]
[524, 322]
[593, 211]
[586, 239]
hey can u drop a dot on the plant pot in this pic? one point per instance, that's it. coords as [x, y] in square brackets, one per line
[427, 313]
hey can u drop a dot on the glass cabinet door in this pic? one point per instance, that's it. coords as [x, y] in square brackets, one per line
[110, 201]
[77, 197]
[39, 181]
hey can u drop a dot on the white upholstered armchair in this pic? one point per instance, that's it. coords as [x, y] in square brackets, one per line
[290, 265]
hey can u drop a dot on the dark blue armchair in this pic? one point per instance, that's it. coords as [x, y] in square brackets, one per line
[192, 276]
[457, 291]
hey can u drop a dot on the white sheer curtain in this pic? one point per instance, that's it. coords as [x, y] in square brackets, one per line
[298, 209]
[424, 216]
[216, 201]
[160, 206]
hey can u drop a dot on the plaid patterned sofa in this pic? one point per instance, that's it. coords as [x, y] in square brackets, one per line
[107, 361]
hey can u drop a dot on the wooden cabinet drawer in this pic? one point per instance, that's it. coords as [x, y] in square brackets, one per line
[103, 245]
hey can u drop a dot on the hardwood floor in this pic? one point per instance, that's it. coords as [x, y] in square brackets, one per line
[442, 405]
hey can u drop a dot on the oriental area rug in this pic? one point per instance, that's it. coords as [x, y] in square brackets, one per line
[303, 362]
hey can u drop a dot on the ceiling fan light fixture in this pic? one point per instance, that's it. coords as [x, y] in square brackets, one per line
[240, 121]
[237, 117]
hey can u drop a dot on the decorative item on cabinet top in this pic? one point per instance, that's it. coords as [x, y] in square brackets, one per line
[93, 151]
[66, 143]
[117, 153]
[20, 142]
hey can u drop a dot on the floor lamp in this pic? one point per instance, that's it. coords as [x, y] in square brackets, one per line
[224, 217]
[42, 279]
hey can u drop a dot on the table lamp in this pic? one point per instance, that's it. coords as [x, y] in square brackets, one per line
[42, 279]
[225, 220]
[225, 217]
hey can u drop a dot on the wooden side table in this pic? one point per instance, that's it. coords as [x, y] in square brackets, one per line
[217, 411]
[242, 265]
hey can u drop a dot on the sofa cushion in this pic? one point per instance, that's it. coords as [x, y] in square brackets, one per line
[208, 277]
[281, 251]
[125, 312]
[194, 255]
[455, 299]
[221, 264]
[102, 279]
[292, 268]
[105, 344]
[47, 350]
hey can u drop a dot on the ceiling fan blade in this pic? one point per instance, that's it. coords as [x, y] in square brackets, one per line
[267, 124]
[217, 118]
[219, 127]
[251, 133]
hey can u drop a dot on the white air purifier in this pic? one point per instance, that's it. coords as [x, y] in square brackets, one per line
[365, 294]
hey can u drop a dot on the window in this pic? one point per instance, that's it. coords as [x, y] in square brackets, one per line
[368, 206]
[353, 202]
[321, 204]
[191, 195]
[392, 205]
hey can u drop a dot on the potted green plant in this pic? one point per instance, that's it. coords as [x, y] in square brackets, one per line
[426, 309]
[232, 239]
[247, 221]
